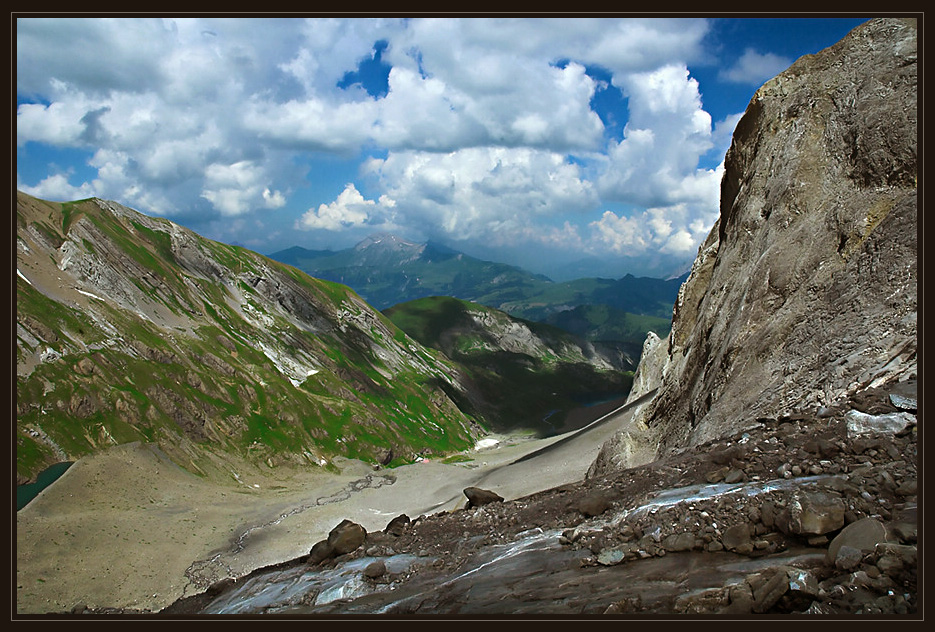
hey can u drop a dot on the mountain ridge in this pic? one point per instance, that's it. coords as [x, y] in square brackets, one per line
[133, 328]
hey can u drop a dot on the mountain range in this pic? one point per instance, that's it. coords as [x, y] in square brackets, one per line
[132, 328]
[386, 270]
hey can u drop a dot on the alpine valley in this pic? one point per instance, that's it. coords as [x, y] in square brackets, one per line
[251, 440]
[131, 328]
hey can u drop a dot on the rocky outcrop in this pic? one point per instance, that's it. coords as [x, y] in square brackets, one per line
[805, 291]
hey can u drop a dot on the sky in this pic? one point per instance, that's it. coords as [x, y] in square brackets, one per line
[534, 141]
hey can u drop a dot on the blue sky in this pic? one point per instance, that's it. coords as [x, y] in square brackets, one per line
[535, 141]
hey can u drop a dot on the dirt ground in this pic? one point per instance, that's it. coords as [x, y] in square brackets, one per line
[129, 529]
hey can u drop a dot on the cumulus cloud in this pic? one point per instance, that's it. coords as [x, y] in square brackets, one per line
[754, 68]
[486, 131]
[482, 192]
[675, 230]
[56, 187]
[349, 210]
[238, 188]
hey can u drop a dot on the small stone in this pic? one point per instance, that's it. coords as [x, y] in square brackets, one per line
[610, 557]
[375, 569]
[847, 558]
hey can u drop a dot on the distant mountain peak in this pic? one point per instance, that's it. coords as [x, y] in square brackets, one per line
[387, 241]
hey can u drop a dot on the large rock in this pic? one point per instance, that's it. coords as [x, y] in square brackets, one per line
[805, 291]
[478, 497]
[346, 537]
[861, 424]
[862, 535]
[812, 513]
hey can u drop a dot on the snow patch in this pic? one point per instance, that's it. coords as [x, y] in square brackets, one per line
[486, 443]
[22, 276]
[91, 295]
[294, 369]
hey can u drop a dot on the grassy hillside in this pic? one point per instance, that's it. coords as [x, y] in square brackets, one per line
[130, 328]
[524, 374]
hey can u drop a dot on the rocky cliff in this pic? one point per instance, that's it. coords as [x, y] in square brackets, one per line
[805, 291]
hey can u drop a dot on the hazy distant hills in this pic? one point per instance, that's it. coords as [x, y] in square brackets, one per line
[386, 270]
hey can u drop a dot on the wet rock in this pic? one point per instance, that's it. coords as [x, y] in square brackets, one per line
[478, 497]
[375, 569]
[346, 537]
[610, 557]
[803, 582]
[904, 403]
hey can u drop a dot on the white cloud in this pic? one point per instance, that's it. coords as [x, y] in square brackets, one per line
[754, 68]
[238, 188]
[56, 187]
[656, 163]
[482, 192]
[349, 210]
[487, 130]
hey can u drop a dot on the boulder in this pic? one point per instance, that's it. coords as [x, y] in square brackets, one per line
[860, 424]
[320, 552]
[346, 537]
[397, 526]
[892, 558]
[862, 535]
[766, 596]
[375, 569]
[847, 558]
[813, 513]
[594, 504]
[478, 497]
[679, 542]
[737, 538]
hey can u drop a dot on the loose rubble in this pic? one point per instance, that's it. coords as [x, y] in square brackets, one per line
[824, 515]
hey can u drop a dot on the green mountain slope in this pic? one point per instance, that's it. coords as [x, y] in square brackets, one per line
[523, 373]
[131, 328]
[386, 270]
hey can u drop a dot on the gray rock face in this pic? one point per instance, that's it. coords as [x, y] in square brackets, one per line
[805, 291]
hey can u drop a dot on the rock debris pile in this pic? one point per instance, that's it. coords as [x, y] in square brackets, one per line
[811, 514]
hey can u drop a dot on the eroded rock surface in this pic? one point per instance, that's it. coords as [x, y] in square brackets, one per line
[805, 292]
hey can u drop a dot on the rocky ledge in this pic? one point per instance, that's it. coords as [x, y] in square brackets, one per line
[808, 514]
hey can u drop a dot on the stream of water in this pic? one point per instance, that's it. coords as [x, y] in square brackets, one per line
[521, 566]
